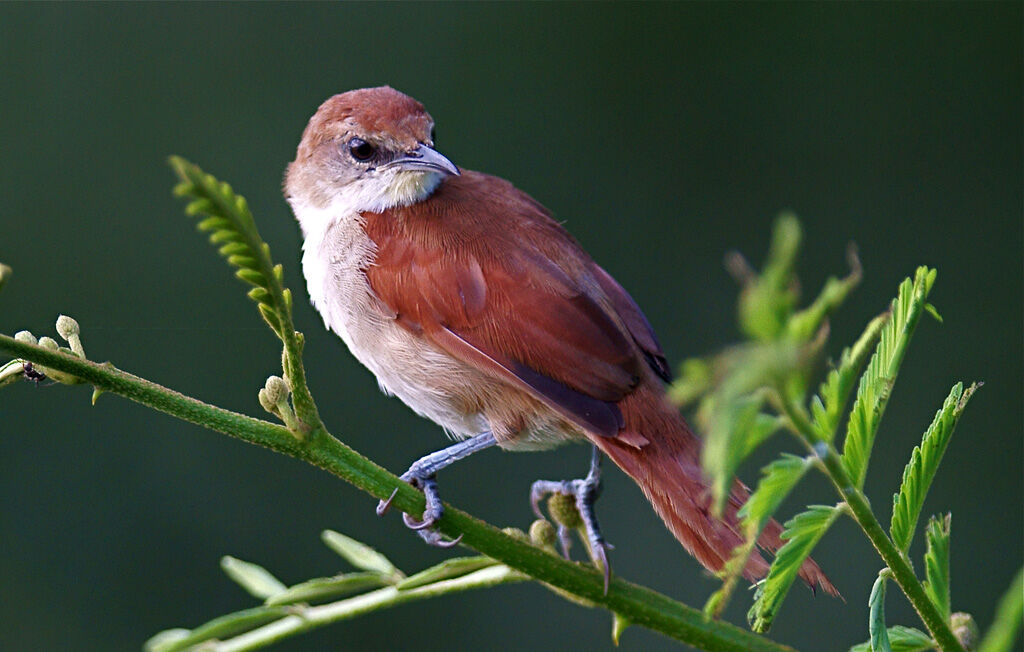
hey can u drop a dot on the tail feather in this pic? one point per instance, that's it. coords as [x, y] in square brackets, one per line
[667, 469]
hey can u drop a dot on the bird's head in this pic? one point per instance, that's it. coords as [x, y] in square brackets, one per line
[366, 150]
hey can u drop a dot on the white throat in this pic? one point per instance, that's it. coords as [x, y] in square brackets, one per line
[375, 192]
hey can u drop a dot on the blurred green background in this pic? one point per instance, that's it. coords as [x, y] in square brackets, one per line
[663, 135]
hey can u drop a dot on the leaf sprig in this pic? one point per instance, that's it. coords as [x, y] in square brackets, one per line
[802, 533]
[877, 382]
[232, 229]
[315, 603]
[738, 390]
[923, 464]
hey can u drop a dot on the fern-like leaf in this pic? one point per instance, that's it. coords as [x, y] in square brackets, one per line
[802, 533]
[936, 563]
[767, 300]
[827, 406]
[901, 639]
[739, 426]
[230, 225]
[777, 480]
[876, 617]
[877, 381]
[924, 462]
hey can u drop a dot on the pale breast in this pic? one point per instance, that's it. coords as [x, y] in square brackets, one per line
[425, 379]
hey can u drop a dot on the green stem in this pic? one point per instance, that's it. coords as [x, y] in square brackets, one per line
[638, 605]
[902, 573]
[860, 509]
[307, 618]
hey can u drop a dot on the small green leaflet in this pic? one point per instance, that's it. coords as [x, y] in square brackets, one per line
[877, 381]
[359, 554]
[936, 563]
[255, 579]
[448, 569]
[876, 617]
[827, 406]
[1009, 616]
[171, 640]
[803, 532]
[924, 462]
[777, 480]
[322, 589]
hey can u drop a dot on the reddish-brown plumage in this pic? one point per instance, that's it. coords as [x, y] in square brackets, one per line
[480, 271]
[380, 111]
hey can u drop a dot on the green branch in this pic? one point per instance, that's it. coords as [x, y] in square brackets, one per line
[902, 573]
[265, 625]
[861, 512]
[638, 605]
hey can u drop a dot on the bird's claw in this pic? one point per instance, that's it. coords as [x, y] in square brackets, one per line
[599, 551]
[432, 511]
[384, 505]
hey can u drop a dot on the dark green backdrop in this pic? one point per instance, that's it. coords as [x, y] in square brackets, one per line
[664, 135]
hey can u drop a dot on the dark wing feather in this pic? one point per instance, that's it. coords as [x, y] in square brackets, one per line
[635, 321]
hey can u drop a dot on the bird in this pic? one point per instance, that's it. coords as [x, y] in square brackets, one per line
[473, 306]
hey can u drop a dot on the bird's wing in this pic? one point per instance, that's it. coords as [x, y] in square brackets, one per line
[491, 279]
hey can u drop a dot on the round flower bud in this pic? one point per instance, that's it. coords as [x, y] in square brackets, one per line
[67, 327]
[542, 533]
[277, 389]
[26, 337]
[563, 509]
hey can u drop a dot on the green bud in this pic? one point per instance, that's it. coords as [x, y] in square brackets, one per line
[66, 327]
[277, 389]
[274, 399]
[543, 534]
[965, 630]
[563, 509]
[26, 337]
[265, 401]
[48, 343]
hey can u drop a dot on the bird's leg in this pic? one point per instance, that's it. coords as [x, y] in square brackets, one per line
[585, 492]
[421, 475]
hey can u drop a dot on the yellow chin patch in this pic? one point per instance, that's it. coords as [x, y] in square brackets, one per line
[409, 186]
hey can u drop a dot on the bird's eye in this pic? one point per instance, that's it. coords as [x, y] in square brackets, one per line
[360, 149]
[433, 135]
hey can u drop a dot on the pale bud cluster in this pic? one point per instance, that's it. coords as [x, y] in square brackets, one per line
[275, 398]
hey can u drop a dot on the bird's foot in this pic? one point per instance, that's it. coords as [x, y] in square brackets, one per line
[432, 511]
[421, 475]
[583, 493]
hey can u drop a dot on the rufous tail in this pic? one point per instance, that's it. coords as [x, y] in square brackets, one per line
[662, 455]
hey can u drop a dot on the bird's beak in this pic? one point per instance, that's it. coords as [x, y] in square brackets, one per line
[424, 159]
